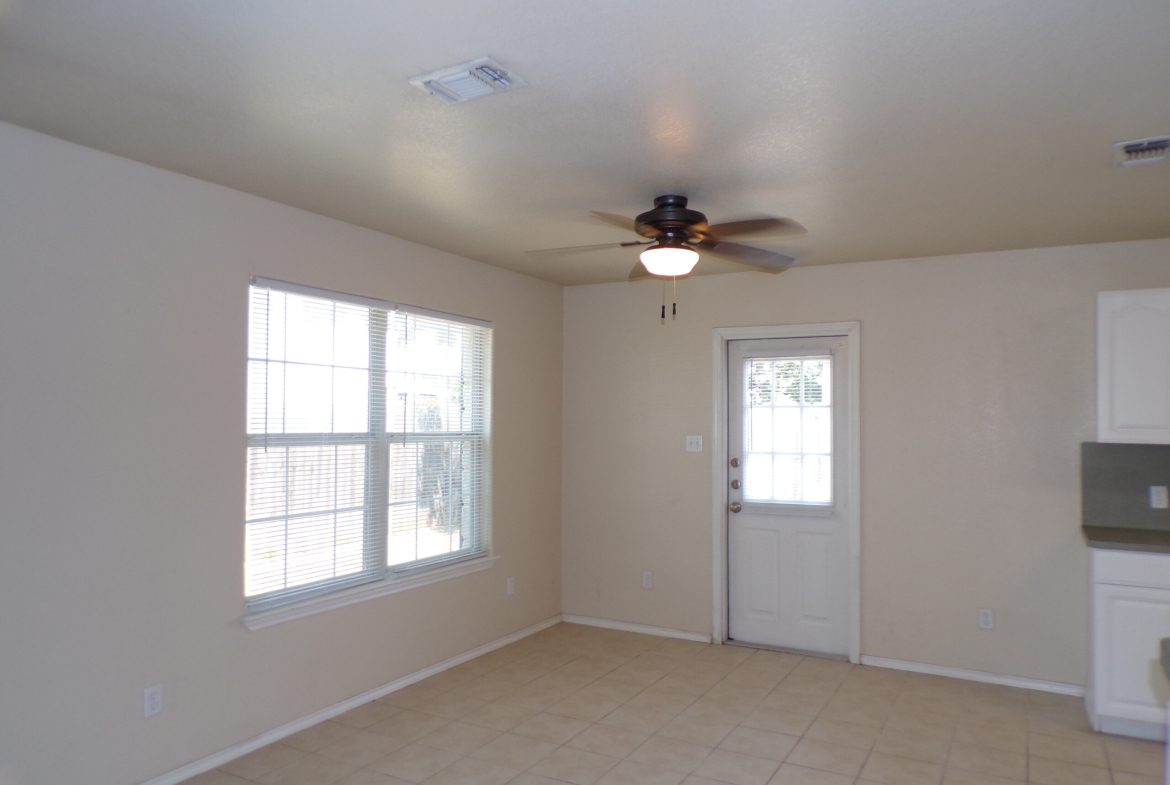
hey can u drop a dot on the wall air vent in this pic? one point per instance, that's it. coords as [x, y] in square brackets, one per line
[1140, 152]
[468, 81]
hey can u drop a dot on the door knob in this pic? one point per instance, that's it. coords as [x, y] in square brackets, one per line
[735, 506]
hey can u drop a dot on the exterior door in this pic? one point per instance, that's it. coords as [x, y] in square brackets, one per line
[789, 557]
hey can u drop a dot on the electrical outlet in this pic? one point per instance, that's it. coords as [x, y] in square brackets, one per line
[694, 444]
[986, 619]
[152, 700]
[647, 579]
[510, 586]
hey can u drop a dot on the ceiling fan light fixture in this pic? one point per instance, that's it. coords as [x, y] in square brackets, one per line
[669, 260]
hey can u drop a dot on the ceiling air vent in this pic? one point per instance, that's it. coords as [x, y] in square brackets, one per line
[468, 81]
[1139, 152]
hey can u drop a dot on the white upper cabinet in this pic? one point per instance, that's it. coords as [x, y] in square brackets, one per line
[1133, 366]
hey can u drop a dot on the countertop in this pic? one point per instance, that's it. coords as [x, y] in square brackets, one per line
[1127, 539]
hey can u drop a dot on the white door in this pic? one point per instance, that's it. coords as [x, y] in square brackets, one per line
[789, 568]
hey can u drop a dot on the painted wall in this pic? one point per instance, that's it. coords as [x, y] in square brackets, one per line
[977, 387]
[123, 304]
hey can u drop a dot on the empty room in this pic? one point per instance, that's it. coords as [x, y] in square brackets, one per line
[644, 393]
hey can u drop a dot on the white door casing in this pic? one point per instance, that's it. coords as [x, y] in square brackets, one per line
[787, 574]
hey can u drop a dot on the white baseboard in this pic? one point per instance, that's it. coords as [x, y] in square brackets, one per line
[276, 734]
[1057, 687]
[1154, 731]
[645, 629]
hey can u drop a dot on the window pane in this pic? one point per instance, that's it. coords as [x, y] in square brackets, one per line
[351, 401]
[786, 374]
[788, 430]
[351, 337]
[263, 557]
[430, 486]
[786, 481]
[759, 436]
[308, 399]
[309, 330]
[757, 477]
[817, 431]
[817, 479]
[816, 383]
[430, 376]
[267, 489]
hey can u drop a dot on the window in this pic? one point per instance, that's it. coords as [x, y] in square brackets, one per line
[367, 443]
[788, 430]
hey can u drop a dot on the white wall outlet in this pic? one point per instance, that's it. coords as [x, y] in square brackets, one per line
[1159, 498]
[694, 444]
[152, 700]
[510, 586]
[986, 619]
[647, 579]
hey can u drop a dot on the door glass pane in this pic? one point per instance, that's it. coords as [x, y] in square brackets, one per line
[788, 430]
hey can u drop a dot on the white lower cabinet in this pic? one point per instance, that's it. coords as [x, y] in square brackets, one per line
[1128, 692]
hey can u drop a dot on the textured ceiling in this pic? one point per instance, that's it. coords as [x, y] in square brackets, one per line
[888, 129]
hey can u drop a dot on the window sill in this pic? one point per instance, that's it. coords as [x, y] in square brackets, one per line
[367, 591]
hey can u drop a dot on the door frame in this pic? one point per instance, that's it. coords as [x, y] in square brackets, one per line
[851, 331]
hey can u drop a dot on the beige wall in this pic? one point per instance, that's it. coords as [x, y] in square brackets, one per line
[977, 387]
[123, 295]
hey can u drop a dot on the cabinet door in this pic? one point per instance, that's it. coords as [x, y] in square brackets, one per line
[1133, 366]
[1129, 623]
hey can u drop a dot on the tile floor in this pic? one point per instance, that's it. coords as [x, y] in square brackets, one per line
[586, 706]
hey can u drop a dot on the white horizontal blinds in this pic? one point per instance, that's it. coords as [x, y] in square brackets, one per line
[788, 430]
[437, 393]
[310, 445]
[366, 445]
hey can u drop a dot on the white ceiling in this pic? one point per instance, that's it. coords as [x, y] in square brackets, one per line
[888, 129]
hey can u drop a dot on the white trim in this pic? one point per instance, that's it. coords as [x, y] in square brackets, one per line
[1140, 729]
[217, 759]
[851, 331]
[645, 629]
[1057, 687]
[369, 302]
[366, 591]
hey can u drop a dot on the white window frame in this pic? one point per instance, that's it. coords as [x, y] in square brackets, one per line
[383, 580]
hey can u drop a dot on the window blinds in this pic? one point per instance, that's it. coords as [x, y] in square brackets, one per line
[367, 443]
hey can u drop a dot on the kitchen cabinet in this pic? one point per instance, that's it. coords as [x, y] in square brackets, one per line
[1133, 366]
[1128, 690]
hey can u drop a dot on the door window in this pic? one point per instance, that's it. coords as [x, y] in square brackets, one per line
[788, 430]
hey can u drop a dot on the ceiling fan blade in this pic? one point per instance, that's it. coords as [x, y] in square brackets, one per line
[584, 248]
[756, 226]
[616, 220]
[745, 254]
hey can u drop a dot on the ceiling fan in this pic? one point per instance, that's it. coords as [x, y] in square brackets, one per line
[676, 234]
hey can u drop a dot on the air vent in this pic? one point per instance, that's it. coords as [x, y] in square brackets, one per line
[468, 81]
[1140, 152]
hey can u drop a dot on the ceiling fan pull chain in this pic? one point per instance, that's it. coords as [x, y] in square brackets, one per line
[674, 297]
[662, 313]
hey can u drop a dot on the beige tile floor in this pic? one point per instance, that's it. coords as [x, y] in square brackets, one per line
[587, 706]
